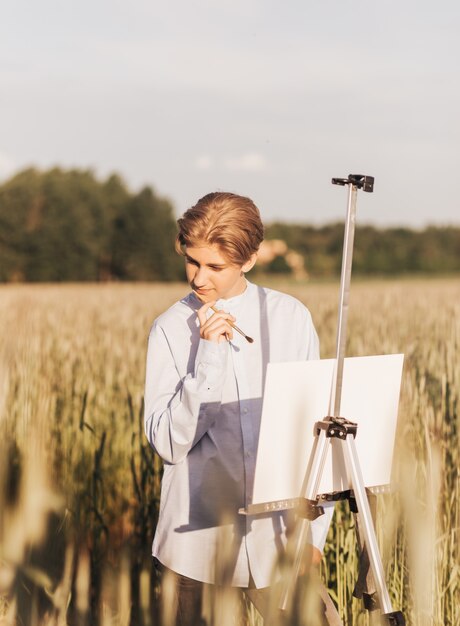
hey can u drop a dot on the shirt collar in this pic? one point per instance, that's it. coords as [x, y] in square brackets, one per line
[234, 302]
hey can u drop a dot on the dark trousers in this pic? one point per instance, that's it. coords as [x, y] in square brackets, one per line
[188, 602]
[183, 599]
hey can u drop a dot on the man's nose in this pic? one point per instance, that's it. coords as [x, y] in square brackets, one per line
[200, 277]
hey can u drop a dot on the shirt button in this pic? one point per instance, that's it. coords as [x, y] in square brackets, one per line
[245, 411]
[248, 454]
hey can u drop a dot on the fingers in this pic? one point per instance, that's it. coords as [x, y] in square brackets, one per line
[203, 310]
[217, 328]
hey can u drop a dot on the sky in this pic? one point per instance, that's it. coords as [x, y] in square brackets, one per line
[266, 98]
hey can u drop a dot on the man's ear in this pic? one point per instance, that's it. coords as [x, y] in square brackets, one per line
[249, 264]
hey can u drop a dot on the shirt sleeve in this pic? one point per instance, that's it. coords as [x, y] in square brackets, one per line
[310, 341]
[179, 411]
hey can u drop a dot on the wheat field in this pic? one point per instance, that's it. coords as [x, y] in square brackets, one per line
[79, 485]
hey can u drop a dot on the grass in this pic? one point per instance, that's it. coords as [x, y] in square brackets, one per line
[80, 486]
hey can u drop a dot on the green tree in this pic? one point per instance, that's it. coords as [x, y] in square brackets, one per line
[143, 242]
[279, 265]
[57, 226]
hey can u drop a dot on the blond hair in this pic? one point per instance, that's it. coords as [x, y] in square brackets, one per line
[226, 220]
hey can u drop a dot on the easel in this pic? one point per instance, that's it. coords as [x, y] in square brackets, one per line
[371, 584]
[345, 431]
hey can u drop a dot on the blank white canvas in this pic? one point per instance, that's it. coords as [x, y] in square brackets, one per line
[297, 396]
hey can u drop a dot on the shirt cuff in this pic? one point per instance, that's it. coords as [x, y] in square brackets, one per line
[210, 364]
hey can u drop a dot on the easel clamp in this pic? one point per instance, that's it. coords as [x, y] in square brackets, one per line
[366, 183]
[338, 427]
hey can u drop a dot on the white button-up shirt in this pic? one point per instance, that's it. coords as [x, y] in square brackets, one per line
[203, 403]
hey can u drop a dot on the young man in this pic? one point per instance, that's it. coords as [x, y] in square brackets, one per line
[203, 403]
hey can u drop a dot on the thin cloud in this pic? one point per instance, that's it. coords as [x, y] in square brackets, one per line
[204, 162]
[249, 162]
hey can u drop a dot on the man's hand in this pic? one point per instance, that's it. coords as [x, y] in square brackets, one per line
[216, 328]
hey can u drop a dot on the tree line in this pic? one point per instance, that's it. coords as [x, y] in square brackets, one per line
[66, 225]
[389, 251]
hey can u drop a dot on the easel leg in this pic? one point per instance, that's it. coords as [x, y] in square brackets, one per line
[368, 533]
[365, 585]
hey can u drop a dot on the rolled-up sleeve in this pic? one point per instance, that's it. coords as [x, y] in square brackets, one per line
[179, 410]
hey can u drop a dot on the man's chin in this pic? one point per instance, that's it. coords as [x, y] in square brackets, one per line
[206, 295]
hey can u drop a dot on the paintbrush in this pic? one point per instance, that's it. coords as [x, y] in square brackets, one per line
[234, 326]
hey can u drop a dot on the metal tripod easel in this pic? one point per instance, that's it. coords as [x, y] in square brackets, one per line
[342, 430]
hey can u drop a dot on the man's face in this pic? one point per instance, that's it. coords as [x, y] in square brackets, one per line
[212, 275]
